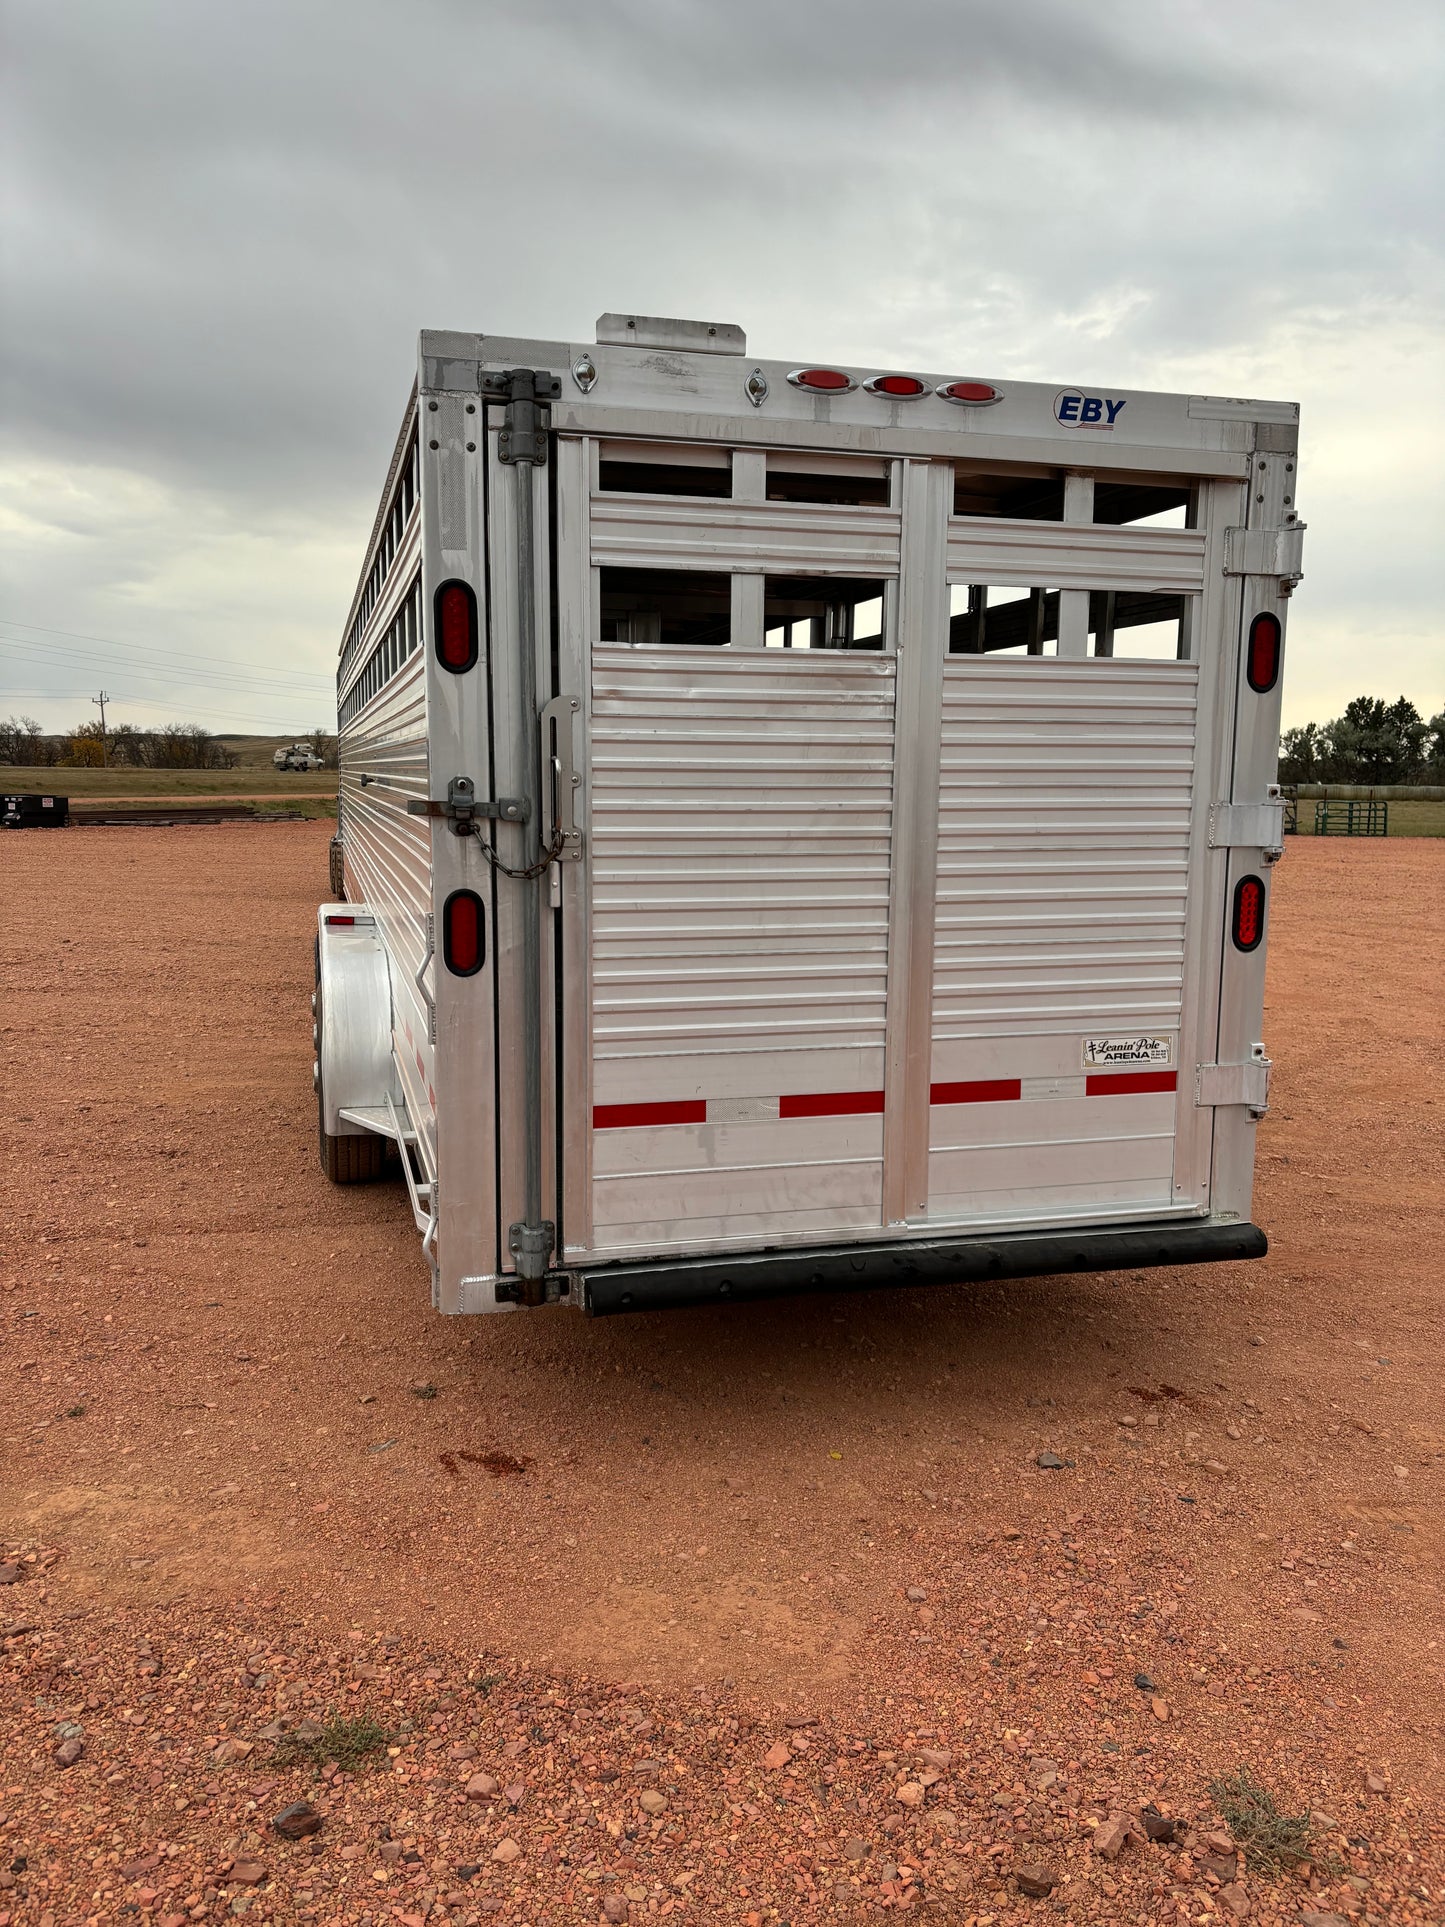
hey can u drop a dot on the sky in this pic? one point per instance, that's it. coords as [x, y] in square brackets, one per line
[223, 227]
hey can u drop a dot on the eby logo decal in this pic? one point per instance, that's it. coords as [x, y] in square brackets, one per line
[1077, 410]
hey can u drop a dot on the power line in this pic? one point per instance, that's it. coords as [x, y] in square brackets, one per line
[267, 723]
[64, 655]
[149, 649]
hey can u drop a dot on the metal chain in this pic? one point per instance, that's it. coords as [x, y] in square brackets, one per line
[548, 856]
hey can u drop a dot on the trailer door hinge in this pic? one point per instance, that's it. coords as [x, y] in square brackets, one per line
[1249, 826]
[1218, 1085]
[1276, 552]
[526, 392]
[462, 807]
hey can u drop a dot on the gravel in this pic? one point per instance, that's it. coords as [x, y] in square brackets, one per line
[682, 1592]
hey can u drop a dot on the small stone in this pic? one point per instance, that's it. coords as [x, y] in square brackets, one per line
[1051, 1462]
[652, 1801]
[1235, 1899]
[1402, 1471]
[777, 1755]
[1321, 1819]
[513, 1794]
[1159, 1708]
[1215, 1465]
[1376, 1783]
[68, 1752]
[856, 1849]
[917, 1594]
[1312, 1917]
[1224, 1866]
[482, 1786]
[1112, 1837]
[247, 1873]
[926, 1615]
[1157, 1826]
[230, 1750]
[939, 1756]
[1144, 1683]
[1035, 1880]
[297, 1820]
[616, 1907]
[10, 1575]
[1043, 1773]
[1306, 1615]
[1128, 1419]
[1218, 1842]
[912, 1793]
[1256, 1341]
[506, 1851]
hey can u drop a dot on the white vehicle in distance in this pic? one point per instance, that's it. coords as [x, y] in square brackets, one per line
[298, 756]
[804, 826]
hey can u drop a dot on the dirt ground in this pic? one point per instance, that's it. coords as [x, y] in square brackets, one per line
[778, 1620]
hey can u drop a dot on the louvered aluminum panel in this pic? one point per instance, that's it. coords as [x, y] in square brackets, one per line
[739, 843]
[665, 532]
[388, 855]
[1066, 792]
[1071, 555]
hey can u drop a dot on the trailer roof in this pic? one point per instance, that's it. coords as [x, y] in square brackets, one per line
[640, 386]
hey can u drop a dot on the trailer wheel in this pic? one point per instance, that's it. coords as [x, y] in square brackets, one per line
[338, 870]
[353, 1160]
[345, 1160]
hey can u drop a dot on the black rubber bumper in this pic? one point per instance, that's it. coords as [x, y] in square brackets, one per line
[664, 1283]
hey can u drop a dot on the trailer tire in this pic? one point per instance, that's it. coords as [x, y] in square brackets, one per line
[338, 869]
[353, 1160]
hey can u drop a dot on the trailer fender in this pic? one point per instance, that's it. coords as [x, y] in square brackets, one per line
[354, 1066]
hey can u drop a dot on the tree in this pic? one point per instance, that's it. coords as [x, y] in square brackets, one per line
[324, 743]
[1373, 742]
[1376, 742]
[23, 743]
[1299, 754]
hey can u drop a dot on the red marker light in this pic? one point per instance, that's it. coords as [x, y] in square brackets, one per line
[901, 387]
[1261, 663]
[463, 939]
[972, 394]
[344, 923]
[455, 609]
[1248, 921]
[828, 381]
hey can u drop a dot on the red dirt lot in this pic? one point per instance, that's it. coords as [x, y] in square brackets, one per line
[780, 1619]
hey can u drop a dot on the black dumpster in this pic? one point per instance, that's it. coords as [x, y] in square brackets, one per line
[34, 812]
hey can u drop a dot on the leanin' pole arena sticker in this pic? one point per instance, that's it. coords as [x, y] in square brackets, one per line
[1116, 1053]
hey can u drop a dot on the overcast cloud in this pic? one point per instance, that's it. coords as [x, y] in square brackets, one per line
[224, 226]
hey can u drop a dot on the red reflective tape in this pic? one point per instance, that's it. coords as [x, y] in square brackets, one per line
[1130, 1083]
[985, 1090]
[615, 1117]
[832, 1104]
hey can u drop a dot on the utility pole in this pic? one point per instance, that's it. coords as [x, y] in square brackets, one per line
[99, 702]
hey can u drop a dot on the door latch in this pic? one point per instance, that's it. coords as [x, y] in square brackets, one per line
[462, 807]
[1219, 1085]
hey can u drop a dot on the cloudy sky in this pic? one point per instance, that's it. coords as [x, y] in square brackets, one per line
[224, 225]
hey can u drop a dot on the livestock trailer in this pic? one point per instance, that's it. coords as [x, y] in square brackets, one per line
[804, 825]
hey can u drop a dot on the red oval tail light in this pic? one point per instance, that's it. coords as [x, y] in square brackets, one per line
[1247, 924]
[972, 394]
[1261, 663]
[828, 381]
[900, 387]
[454, 607]
[464, 945]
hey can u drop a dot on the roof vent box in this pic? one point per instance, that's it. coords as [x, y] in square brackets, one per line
[661, 331]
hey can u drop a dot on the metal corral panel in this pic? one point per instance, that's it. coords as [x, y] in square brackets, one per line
[741, 822]
[1059, 967]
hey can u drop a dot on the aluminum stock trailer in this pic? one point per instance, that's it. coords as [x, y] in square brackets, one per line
[804, 825]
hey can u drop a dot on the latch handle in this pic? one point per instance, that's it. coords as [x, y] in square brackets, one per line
[559, 794]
